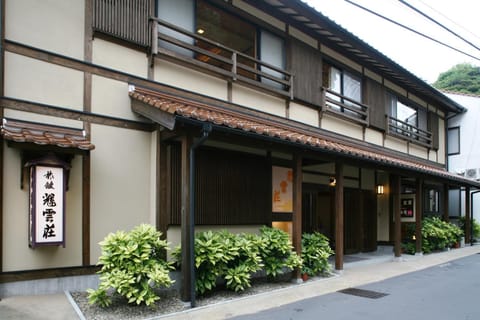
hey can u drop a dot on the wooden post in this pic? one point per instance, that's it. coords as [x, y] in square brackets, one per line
[396, 211]
[1, 198]
[297, 207]
[185, 223]
[162, 186]
[446, 214]
[339, 216]
[86, 202]
[467, 215]
[418, 216]
[86, 160]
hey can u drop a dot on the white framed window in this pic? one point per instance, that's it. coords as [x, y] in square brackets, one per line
[453, 136]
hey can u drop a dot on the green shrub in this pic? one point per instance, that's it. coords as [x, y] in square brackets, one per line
[221, 254]
[133, 266]
[277, 252]
[475, 227]
[409, 247]
[315, 253]
[235, 257]
[438, 234]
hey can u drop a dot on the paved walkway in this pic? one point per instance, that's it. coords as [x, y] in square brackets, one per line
[59, 306]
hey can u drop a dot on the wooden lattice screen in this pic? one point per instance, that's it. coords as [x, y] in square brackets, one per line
[124, 19]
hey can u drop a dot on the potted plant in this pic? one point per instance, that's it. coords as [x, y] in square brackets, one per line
[304, 275]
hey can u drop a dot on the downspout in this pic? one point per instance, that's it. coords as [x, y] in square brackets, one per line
[471, 215]
[206, 129]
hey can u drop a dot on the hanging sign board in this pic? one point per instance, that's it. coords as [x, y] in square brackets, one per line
[282, 189]
[407, 208]
[47, 205]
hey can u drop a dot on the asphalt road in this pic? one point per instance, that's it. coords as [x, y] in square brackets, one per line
[450, 291]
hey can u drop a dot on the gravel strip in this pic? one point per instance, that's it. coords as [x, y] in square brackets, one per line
[169, 302]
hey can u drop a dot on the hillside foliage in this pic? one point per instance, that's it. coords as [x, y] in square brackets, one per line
[463, 78]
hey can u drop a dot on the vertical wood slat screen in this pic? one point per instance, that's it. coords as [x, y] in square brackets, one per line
[125, 19]
[176, 184]
[231, 188]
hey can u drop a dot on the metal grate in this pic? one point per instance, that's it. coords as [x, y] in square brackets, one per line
[363, 293]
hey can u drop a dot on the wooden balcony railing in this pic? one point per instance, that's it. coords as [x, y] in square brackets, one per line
[333, 102]
[220, 59]
[406, 131]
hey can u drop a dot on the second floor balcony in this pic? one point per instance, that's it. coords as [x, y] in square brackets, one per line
[173, 42]
[406, 131]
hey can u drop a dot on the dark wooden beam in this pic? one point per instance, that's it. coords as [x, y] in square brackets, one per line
[418, 215]
[2, 91]
[162, 185]
[86, 201]
[165, 119]
[396, 184]
[339, 216]
[87, 55]
[185, 216]
[297, 207]
[87, 108]
[66, 113]
[446, 214]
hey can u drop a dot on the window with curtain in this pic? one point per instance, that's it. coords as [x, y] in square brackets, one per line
[272, 51]
[344, 84]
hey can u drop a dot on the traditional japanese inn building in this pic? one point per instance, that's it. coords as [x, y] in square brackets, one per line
[218, 114]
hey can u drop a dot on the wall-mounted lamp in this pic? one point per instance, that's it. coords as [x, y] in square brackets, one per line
[332, 182]
[200, 31]
[380, 189]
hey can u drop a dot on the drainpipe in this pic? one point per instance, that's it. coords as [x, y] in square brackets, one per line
[206, 129]
[471, 215]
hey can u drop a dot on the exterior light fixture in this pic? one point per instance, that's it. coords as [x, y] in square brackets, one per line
[380, 189]
[332, 182]
[200, 31]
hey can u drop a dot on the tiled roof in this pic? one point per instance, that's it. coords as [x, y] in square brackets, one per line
[42, 134]
[242, 121]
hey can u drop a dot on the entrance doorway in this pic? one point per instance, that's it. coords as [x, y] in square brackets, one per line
[360, 218]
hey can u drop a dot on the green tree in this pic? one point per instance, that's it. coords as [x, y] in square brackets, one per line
[463, 77]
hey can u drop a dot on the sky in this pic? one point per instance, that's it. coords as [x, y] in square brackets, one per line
[422, 57]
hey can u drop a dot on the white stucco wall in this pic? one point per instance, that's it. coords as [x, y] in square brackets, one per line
[191, 80]
[56, 25]
[469, 156]
[121, 58]
[121, 173]
[34, 80]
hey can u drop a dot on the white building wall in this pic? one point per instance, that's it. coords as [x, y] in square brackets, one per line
[120, 182]
[469, 157]
[53, 25]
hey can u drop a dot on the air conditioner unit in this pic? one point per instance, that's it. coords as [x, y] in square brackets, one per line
[472, 173]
